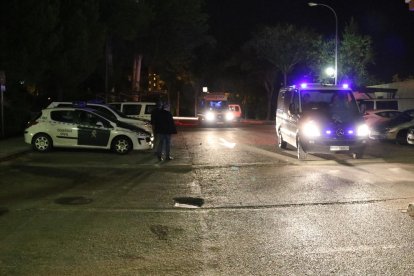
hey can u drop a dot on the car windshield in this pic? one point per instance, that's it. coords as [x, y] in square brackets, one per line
[104, 115]
[400, 119]
[119, 113]
[339, 104]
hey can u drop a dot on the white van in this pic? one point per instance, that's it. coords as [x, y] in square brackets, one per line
[140, 110]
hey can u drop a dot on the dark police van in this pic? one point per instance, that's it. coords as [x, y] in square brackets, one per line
[322, 119]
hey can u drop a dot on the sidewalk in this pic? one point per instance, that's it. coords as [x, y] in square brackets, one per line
[11, 147]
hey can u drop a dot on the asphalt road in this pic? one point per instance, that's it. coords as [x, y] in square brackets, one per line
[230, 203]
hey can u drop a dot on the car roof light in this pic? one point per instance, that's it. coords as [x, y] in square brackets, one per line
[345, 85]
[304, 85]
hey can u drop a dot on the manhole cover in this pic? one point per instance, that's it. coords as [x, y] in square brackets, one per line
[3, 211]
[74, 200]
[188, 202]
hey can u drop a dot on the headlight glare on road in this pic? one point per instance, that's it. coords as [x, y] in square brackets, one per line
[210, 116]
[311, 129]
[363, 130]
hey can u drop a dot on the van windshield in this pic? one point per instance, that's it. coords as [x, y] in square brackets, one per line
[340, 105]
[216, 105]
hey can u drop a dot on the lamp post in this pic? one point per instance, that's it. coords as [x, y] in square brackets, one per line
[311, 4]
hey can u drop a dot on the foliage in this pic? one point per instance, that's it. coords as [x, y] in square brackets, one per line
[280, 49]
[354, 55]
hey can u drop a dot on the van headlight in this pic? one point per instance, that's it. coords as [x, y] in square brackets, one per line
[210, 116]
[362, 130]
[229, 116]
[311, 129]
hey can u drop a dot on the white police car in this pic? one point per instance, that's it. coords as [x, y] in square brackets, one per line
[84, 128]
[110, 111]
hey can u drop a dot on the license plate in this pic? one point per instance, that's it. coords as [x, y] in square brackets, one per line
[336, 148]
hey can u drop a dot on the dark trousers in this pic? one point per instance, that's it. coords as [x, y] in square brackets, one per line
[164, 142]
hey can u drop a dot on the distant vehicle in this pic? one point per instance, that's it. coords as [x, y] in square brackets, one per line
[377, 104]
[108, 110]
[316, 118]
[373, 117]
[214, 109]
[399, 104]
[139, 110]
[236, 110]
[395, 129]
[84, 128]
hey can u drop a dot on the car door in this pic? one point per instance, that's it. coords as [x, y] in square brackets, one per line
[93, 130]
[63, 128]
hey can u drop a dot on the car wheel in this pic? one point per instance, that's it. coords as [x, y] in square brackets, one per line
[409, 139]
[402, 137]
[302, 155]
[281, 143]
[121, 145]
[42, 143]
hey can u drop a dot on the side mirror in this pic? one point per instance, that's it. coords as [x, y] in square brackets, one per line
[363, 108]
[99, 124]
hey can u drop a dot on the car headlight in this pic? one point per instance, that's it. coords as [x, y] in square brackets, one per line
[229, 116]
[362, 130]
[210, 116]
[311, 129]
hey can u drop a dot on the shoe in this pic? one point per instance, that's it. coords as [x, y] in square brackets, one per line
[170, 158]
[160, 158]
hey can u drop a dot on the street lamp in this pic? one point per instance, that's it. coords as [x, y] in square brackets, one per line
[311, 4]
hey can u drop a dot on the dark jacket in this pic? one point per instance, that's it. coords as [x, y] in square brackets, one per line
[163, 122]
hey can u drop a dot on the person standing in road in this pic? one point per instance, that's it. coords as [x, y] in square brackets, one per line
[154, 114]
[164, 126]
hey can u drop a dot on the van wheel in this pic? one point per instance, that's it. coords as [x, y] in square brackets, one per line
[357, 155]
[281, 143]
[42, 143]
[121, 145]
[302, 155]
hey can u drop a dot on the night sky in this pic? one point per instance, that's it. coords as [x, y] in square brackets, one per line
[388, 22]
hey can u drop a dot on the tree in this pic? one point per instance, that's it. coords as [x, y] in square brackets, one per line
[283, 47]
[80, 39]
[354, 55]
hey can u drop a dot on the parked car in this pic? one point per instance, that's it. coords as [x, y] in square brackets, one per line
[395, 129]
[84, 128]
[109, 111]
[373, 117]
[139, 110]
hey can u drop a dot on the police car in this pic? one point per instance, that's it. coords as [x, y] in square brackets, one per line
[110, 111]
[84, 128]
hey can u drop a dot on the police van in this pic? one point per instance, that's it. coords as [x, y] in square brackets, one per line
[321, 119]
